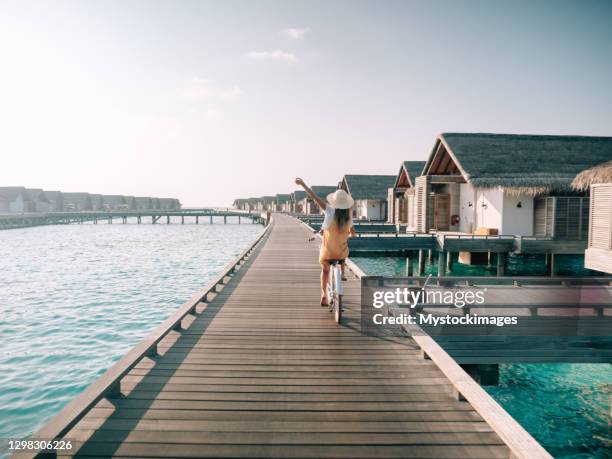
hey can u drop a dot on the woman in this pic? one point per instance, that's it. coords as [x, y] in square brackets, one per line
[337, 228]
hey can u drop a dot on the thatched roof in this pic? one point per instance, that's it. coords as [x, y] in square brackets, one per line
[282, 198]
[602, 173]
[323, 190]
[76, 197]
[412, 169]
[11, 193]
[268, 199]
[37, 194]
[369, 186]
[53, 196]
[529, 163]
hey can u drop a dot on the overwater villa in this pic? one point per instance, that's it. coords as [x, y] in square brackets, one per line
[266, 203]
[77, 202]
[144, 203]
[17, 199]
[169, 204]
[598, 179]
[240, 204]
[131, 202]
[370, 193]
[507, 184]
[113, 202]
[252, 204]
[56, 200]
[295, 205]
[37, 200]
[401, 197]
[308, 206]
[282, 202]
[97, 202]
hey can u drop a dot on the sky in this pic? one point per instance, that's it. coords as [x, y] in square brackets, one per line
[208, 101]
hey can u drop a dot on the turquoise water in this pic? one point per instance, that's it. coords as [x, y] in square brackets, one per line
[74, 299]
[566, 407]
[517, 265]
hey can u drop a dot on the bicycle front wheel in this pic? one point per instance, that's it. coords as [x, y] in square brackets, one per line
[338, 309]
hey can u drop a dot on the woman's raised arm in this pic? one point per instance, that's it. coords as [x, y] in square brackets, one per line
[320, 202]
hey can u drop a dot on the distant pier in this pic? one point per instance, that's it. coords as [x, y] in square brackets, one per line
[26, 220]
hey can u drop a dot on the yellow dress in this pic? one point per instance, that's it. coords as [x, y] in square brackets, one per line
[335, 243]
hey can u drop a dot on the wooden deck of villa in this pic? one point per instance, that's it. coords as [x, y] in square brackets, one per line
[259, 369]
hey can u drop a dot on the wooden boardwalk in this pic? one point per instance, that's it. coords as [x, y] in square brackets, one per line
[262, 370]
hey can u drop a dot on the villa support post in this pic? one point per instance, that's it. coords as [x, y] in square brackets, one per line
[408, 264]
[167, 219]
[429, 256]
[239, 219]
[124, 220]
[182, 219]
[225, 219]
[485, 374]
[211, 219]
[110, 220]
[197, 220]
[139, 219]
[501, 264]
[421, 265]
[552, 264]
[441, 259]
[449, 261]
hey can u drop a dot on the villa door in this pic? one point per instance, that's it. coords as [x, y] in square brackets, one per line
[440, 211]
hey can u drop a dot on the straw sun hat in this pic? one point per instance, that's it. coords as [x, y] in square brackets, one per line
[340, 199]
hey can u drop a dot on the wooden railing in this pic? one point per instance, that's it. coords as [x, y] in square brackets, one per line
[110, 382]
[520, 443]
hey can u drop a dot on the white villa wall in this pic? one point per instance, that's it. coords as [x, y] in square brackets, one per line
[369, 209]
[18, 205]
[467, 214]
[411, 212]
[517, 221]
[489, 208]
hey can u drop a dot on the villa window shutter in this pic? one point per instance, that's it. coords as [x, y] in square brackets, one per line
[600, 233]
[422, 192]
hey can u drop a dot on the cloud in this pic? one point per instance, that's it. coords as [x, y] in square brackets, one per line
[202, 88]
[296, 33]
[276, 55]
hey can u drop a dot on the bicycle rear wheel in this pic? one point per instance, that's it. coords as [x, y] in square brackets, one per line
[338, 309]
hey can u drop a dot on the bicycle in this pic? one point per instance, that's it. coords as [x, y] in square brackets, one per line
[335, 289]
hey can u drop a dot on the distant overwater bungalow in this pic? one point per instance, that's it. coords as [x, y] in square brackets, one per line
[400, 198]
[370, 193]
[56, 200]
[77, 202]
[282, 202]
[295, 205]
